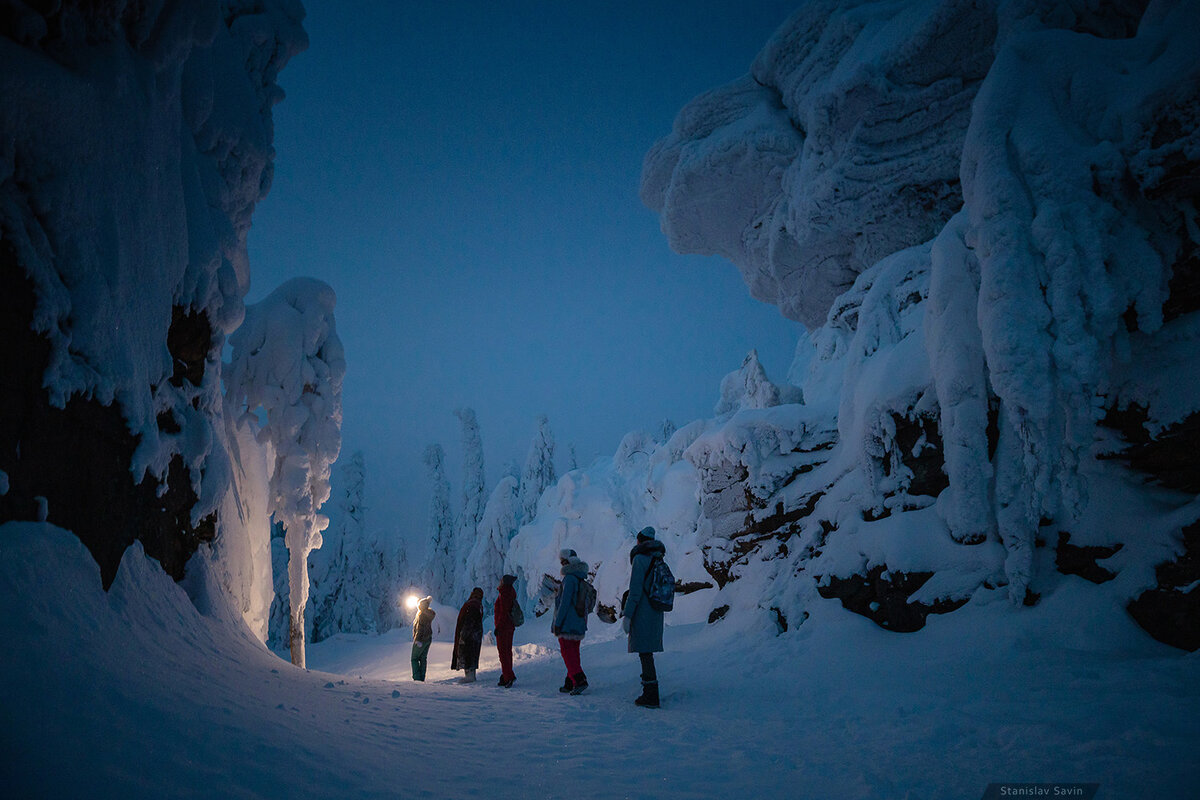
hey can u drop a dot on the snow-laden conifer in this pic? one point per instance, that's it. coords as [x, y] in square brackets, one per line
[358, 574]
[747, 387]
[473, 497]
[439, 544]
[539, 468]
[287, 370]
[497, 526]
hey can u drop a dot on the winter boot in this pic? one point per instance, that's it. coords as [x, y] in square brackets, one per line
[508, 683]
[469, 677]
[567, 686]
[649, 698]
[580, 683]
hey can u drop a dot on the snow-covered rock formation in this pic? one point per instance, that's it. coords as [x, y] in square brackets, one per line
[135, 140]
[986, 216]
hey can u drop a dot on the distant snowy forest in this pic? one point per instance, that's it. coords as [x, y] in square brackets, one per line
[984, 214]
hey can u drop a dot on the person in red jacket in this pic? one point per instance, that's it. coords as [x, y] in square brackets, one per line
[505, 629]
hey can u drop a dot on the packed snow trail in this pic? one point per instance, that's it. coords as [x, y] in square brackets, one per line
[134, 693]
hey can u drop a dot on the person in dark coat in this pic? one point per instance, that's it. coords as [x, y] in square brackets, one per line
[505, 629]
[569, 625]
[643, 623]
[422, 637]
[468, 636]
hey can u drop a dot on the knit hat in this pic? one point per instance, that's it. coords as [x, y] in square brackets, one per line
[645, 534]
[424, 602]
[566, 554]
[476, 593]
[508, 580]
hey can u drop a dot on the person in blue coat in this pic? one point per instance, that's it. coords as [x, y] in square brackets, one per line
[569, 625]
[643, 623]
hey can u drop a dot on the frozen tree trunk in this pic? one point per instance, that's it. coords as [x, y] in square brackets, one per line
[298, 595]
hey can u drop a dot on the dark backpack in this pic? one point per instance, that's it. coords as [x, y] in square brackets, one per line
[516, 614]
[660, 585]
[585, 598]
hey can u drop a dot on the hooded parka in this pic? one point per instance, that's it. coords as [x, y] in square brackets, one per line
[568, 624]
[468, 633]
[645, 623]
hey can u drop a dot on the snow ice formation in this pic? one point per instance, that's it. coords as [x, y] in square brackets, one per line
[285, 379]
[985, 214]
[135, 141]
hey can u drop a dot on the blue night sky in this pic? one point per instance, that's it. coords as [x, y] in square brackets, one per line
[465, 176]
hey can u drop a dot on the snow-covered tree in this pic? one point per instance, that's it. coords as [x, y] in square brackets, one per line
[357, 574]
[666, 429]
[390, 615]
[511, 468]
[497, 526]
[473, 495]
[539, 468]
[572, 459]
[747, 387]
[439, 551]
[287, 371]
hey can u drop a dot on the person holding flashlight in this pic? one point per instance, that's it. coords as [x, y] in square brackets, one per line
[422, 637]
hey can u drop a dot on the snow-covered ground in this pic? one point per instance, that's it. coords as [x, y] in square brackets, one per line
[135, 693]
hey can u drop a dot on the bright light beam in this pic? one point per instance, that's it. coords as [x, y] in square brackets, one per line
[411, 601]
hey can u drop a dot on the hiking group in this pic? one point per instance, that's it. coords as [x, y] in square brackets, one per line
[651, 592]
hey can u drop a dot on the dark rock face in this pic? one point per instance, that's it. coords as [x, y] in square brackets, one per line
[723, 490]
[884, 600]
[1166, 612]
[717, 613]
[781, 622]
[78, 457]
[919, 442]
[765, 539]
[1081, 560]
[1169, 458]
[1175, 184]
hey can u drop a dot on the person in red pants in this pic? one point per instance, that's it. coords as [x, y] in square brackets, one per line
[505, 627]
[570, 622]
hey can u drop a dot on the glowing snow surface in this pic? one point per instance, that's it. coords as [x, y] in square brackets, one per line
[136, 694]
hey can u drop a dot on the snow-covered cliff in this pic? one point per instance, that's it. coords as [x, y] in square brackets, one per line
[135, 140]
[986, 216]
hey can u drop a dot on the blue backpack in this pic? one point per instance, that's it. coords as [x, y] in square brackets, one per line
[660, 585]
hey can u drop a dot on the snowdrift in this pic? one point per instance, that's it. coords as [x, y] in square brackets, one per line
[135, 694]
